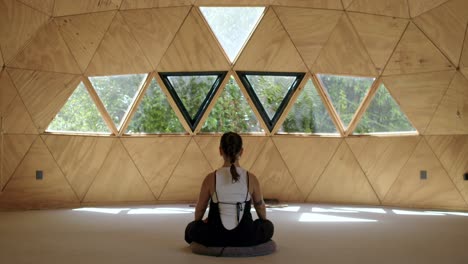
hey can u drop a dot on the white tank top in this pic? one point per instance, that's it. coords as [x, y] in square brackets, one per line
[229, 193]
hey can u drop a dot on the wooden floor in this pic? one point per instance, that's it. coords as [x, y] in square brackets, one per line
[304, 234]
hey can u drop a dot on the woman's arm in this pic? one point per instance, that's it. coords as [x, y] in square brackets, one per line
[257, 197]
[203, 198]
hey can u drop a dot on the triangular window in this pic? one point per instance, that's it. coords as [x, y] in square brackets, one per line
[232, 26]
[79, 114]
[154, 115]
[270, 92]
[117, 93]
[193, 92]
[308, 114]
[232, 113]
[346, 93]
[383, 116]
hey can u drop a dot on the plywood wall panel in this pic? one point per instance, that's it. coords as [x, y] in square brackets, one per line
[306, 158]
[119, 52]
[73, 7]
[47, 52]
[309, 29]
[436, 192]
[17, 119]
[379, 35]
[274, 177]
[156, 158]
[344, 53]
[464, 56]
[415, 53]
[417, 7]
[154, 29]
[83, 34]
[79, 158]
[18, 24]
[322, 4]
[347, 3]
[452, 151]
[393, 8]
[451, 116]
[118, 180]
[43, 93]
[24, 191]
[136, 4]
[46, 6]
[186, 180]
[270, 48]
[343, 181]
[7, 92]
[382, 158]
[419, 94]
[15, 148]
[1, 58]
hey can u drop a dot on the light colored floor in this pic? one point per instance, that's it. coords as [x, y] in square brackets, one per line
[154, 234]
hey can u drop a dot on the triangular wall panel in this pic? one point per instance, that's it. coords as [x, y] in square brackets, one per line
[15, 148]
[451, 117]
[119, 52]
[415, 54]
[309, 29]
[319, 4]
[438, 191]
[418, 7]
[166, 150]
[343, 181]
[79, 158]
[187, 178]
[452, 151]
[344, 53]
[306, 158]
[47, 51]
[73, 7]
[392, 8]
[464, 56]
[45, 6]
[83, 34]
[118, 180]
[7, 92]
[18, 24]
[382, 158]
[270, 49]
[17, 119]
[419, 94]
[194, 48]
[274, 175]
[43, 93]
[347, 3]
[154, 29]
[379, 35]
[24, 191]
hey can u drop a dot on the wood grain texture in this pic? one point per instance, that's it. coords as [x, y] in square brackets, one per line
[1, 58]
[137, 4]
[17, 119]
[231, 2]
[321, 4]
[464, 56]
[73, 7]
[346, 3]
[274, 177]
[194, 48]
[83, 33]
[119, 52]
[46, 6]
[417, 7]
[270, 49]
[446, 31]
[14, 149]
[209, 145]
[379, 35]
[382, 158]
[24, 191]
[156, 158]
[186, 180]
[79, 158]
[18, 24]
[47, 51]
[309, 29]
[452, 152]
[451, 116]
[393, 8]
[118, 180]
[415, 53]
[344, 53]
[306, 158]
[437, 191]
[343, 181]
[419, 94]
[154, 29]
[43, 93]
[7, 92]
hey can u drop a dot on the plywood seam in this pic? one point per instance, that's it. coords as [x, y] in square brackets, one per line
[38, 10]
[175, 167]
[68, 47]
[364, 13]
[394, 49]
[324, 169]
[47, 71]
[464, 45]
[204, 155]
[54, 8]
[437, 6]
[409, 11]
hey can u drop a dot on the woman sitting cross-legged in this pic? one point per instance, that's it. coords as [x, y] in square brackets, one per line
[232, 190]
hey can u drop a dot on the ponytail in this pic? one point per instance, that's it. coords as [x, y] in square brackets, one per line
[231, 144]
